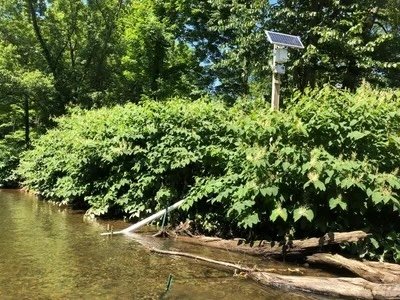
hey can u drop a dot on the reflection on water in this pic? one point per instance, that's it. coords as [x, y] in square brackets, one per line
[52, 253]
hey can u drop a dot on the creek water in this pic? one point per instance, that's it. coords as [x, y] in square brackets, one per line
[48, 252]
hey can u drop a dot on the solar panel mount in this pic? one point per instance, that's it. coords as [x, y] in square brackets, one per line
[285, 40]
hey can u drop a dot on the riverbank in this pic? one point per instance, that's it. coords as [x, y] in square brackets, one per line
[326, 163]
[364, 280]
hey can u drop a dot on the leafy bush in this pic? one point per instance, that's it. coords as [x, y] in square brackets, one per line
[130, 159]
[328, 162]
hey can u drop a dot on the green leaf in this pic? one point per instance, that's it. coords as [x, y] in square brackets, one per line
[346, 183]
[356, 135]
[269, 191]
[278, 212]
[393, 181]
[250, 220]
[353, 122]
[303, 212]
[374, 242]
[330, 173]
[285, 166]
[334, 202]
[319, 185]
[377, 197]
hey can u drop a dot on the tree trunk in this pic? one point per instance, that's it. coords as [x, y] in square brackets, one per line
[26, 117]
[362, 270]
[337, 287]
[45, 49]
[391, 268]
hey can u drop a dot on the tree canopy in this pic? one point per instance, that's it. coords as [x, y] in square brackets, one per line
[58, 54]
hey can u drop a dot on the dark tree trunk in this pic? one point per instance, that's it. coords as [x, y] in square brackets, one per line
[26, 117]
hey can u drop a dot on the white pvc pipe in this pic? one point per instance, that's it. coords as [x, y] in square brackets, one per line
[146, 221]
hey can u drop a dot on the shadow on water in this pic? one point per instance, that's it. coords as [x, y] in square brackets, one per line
[47, 252]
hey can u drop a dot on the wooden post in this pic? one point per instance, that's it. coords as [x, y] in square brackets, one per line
[276, 85]
[276, 88]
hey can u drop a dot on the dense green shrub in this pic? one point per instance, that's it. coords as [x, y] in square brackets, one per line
[129, 159]
[328, 162]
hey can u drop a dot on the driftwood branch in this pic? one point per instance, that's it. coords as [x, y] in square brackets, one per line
[373, 274]
[338, 287]
[226, 265]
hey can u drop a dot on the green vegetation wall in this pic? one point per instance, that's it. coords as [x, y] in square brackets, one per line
[63, 53]
[328, 162]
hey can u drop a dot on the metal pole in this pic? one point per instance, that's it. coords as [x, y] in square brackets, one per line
[140, 224]
[276, 85]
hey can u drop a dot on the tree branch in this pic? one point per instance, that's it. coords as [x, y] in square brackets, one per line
[45, 49]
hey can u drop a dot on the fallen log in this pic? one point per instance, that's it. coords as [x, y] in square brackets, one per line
[263, 248]
[388, 267]
[337, 287]
[358, 268]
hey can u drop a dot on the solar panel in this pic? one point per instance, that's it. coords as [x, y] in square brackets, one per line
[282, 39]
